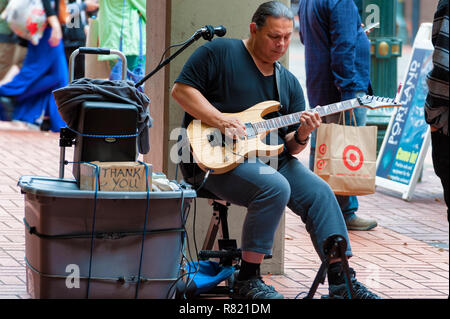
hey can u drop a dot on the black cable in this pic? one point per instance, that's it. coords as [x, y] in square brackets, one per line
[144, 230]
[193, 229]
[162, 63]
[99, 235]
[184, 257]
[192, 262]
[185, 241]
[204, 180]
[189, 258]
[97, 176]
[300, 293]
[194, 265]
[170, 47]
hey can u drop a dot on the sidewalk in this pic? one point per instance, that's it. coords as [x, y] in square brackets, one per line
[406, 256]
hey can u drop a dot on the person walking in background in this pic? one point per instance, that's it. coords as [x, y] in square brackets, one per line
[436, 104]
[28, 97]
[75, 31]
[122, 25]
[337, 61]
[11, 54]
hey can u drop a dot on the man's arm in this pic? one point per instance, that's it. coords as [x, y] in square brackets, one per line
[436, 104]
[194, 103]
[308, 123]
[343, 34]
[53, 21]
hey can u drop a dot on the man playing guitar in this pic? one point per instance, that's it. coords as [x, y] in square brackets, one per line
[229, 76]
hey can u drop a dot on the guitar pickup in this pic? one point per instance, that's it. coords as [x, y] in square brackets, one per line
[216, 138]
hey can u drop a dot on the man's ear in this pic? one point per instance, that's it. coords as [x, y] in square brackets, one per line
[253, 28]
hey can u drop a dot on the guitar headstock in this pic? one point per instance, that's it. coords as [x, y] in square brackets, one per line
[375, 102]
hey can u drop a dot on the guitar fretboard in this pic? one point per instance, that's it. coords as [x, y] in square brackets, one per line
[294, 118]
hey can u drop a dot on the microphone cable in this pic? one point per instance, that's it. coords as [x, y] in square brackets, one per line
[170, 47]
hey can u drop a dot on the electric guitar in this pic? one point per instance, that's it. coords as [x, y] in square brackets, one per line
[218, 154]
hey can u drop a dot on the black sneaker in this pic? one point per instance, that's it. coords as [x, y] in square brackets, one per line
[8, 106]
[359, 290]
[254, 288]
[45, 125]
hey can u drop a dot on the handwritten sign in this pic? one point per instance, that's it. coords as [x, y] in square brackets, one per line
[116, 176]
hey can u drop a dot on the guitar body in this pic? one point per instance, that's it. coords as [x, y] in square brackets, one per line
[219, 158]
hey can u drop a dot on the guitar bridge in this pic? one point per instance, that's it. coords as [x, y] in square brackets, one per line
[250, 130]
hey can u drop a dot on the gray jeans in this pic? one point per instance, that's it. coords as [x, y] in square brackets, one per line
[266, 192]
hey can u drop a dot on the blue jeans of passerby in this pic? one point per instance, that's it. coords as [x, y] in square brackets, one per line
[349, 204]
[266, 192]
[44, 70]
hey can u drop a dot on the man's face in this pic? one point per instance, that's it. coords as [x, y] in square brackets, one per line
[272, 40]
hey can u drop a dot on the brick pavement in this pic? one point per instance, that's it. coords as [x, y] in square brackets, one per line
[406, 256]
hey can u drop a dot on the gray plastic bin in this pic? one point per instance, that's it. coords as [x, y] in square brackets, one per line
[58, 240]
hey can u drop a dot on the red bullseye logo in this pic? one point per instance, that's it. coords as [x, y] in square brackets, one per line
[353, 158]
[320, 164]
[323, 149]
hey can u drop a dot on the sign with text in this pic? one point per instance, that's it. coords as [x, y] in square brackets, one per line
[407, 136]
[116, 176]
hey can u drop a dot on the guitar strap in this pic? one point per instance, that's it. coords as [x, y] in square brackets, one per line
[277, 67]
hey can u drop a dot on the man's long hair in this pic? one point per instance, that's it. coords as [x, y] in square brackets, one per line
[274, 9]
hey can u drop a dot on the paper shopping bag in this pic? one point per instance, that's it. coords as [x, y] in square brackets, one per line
[346, 158]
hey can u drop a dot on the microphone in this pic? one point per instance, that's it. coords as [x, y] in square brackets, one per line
[208, 32]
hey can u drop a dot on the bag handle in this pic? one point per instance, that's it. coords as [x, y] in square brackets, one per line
[352, 117]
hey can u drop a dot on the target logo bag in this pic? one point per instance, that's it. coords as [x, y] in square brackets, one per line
[346, 158]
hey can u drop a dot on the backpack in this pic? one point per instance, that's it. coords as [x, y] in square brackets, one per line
[26, 18]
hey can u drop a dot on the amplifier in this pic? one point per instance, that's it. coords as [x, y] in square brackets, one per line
[108, 120]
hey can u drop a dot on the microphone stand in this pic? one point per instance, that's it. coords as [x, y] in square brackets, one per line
[194, 38]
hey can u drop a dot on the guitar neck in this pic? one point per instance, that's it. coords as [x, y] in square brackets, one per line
[294, 118]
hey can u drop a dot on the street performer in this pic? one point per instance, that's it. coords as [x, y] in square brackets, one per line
[229, 76]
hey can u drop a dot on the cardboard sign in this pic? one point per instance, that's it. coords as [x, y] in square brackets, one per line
[116, 176]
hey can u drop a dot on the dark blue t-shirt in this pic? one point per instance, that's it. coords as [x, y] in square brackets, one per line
[225, 73]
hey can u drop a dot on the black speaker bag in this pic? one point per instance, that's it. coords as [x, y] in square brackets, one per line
[110, 121]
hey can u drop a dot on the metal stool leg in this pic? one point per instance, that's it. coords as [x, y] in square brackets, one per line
[213, 228]
[219, 224]
[334, 247]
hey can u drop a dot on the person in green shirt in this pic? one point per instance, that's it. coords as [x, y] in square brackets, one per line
[126, 18]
